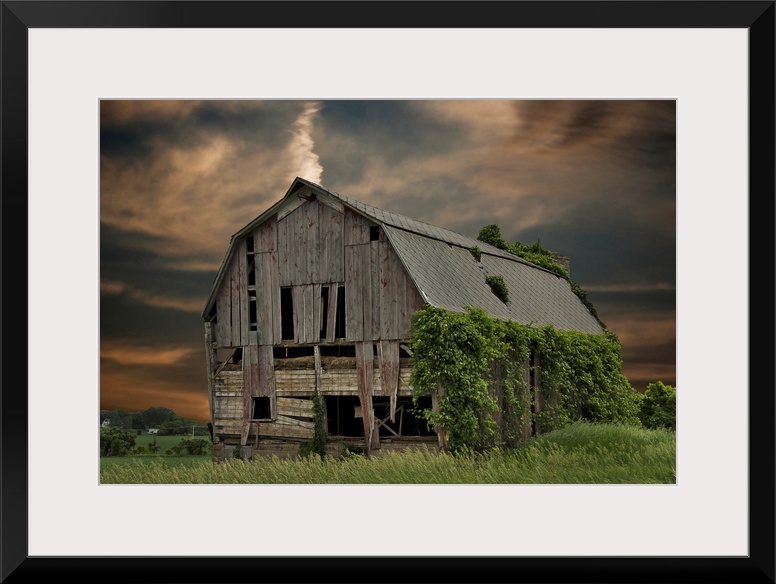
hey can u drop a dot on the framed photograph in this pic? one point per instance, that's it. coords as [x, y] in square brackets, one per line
[60, 59]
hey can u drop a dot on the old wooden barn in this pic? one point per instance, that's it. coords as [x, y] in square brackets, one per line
[316, 296]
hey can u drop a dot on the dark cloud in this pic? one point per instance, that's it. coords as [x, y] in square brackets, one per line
[123, 317]
[642, 131]
[593, 179]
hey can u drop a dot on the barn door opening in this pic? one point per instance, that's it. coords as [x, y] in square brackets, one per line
[341, 416]
[408, 420]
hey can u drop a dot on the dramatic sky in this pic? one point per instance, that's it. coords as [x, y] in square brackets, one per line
[594, 180]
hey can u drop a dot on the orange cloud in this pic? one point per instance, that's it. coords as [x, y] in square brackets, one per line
[131, 393]
[130, 354]
[194, 305]
[124, 111]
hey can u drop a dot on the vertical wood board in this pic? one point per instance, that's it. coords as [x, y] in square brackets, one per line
[234, 293]
[284, 252]
[364, 366]
[265, 236]
[266, 371]
[242, 266]
[332, 264]
[354, 301]
[224, 313]
[374, 280]
[209, 365]
[250, 369]
[364, 258]
[389, 371]
[356, 228]
[311, 242]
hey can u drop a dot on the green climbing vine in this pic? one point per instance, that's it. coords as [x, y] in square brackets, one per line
[534, 253]
[498, 287]
[317, 446]
[478, 367]
[476, 252]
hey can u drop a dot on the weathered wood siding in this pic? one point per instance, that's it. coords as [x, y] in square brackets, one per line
[380, 296]
[315, 244]
[228, 402]
[314, 247]
[301, 382]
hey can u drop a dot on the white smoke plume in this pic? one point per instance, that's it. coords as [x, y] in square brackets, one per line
[305, 162]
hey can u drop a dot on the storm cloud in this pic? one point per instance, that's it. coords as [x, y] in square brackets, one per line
[592, 179]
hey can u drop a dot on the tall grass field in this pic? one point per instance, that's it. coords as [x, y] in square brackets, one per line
[583, 453]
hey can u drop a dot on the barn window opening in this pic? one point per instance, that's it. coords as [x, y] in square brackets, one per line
[261, 408]
[324, 310]
[291, 352]
[252, 313]
[251, 272]
[338, 351]
[249, 244]
[374, 233]
[286, 314]
[339, 329]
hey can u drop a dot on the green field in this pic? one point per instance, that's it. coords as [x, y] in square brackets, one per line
[583, 453]
[164, 442]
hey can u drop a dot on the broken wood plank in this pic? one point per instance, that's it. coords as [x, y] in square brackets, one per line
[286, 420]
[389, 372]
[331, 322]
[364, 370]
[288, 406]
[280, 430]
[225, 363]
[245, 419]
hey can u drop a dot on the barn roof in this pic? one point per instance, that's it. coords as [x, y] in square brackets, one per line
[448, 276]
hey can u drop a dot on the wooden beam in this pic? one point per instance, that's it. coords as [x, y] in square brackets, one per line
[220, 368]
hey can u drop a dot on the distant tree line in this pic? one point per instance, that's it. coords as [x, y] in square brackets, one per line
[167, 421]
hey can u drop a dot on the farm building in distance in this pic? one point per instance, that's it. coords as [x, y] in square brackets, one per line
[316, 296]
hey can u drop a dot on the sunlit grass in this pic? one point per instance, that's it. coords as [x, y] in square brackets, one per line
[583, 453]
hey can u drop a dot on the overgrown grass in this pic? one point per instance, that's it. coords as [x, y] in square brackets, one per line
[119, 464]
[164, 442]
[583, 453]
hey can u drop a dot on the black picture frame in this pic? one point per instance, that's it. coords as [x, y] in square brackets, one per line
[757, 17]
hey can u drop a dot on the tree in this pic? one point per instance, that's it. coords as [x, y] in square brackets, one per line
[658, 407]
[153, 417]
[190, 446]
[116, 441]
[491, 234]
